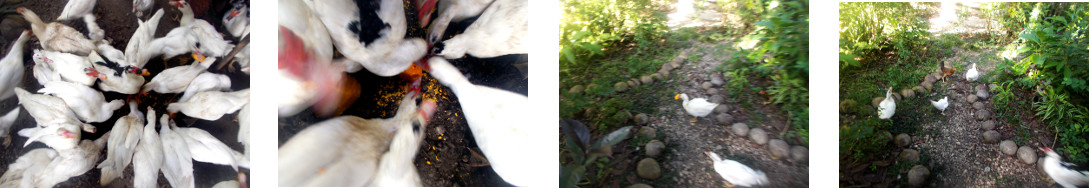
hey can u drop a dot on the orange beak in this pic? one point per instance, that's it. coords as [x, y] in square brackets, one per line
[677, 97]
[199, 57]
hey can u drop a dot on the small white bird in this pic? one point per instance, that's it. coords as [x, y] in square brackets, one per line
[207, 148]
[56, 36]
[941, 104]
[50, 111]
[371, 34]
[77, 9]
[87, 103]
[121, 77]
[139, 6]
[177, 161]
[736, 173]
[207, 40]
[71, 67]
[887, 106]
[11, 67]
[22, 172]
[6, 122]
[72, 162]
[211, 105]
[698, 107]
[206, 82]
[396, 169]
[139, 49]
[237, 20]
[500, 30]
[972, 74]
[174, 79]
[43, 71]
[124, 136]
[1066, 174]
[149, 155]
[452, 11]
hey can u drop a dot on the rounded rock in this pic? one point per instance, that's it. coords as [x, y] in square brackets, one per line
[706, 85]
[1026, 154]
[847, 104]
[1007, 147]
[886, 137]
[724, 118]
[929, 78]
[648, 169]
[991, 137]
[918, 90]
[907, 93]
[641, 119]
[799, 153]
[918, 175]
[713, 91]
[647, 79]
[591, 86]
[576, 90]
[667, 67]
[927, 85]
[972, 98]
[903, 140]
[654, 148]
[778, 148]
[716, 79]
[909, 155]
[722, 109]
[977, 105]
[640, 185]
[740, 129]
[759, 136]
[663, 74]
[1040, 167]
[983, 94]
[877, 101]
[648, 132]
[988, 125]
[897, 97]
[656, 76]
[621, 86]
[983, 114]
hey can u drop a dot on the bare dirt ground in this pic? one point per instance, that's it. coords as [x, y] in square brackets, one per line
[116, 18]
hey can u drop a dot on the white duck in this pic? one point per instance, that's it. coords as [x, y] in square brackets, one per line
[498, 31]
[296, 16]
[82, 9]
[72, 162]
[58, 137]
[87, 103]
[49, 110]
[207, 148]
[737, 173]
[139, 6]
[307, 80]
[124, 136]
[371, 34]
[206, 39]
[175, 79]
[211, 105]
[244, 129]
[56, 36]
[120, 77]
[22, 172]
[11, 67]
[139, 49]
[396, 168]
[43, 72]
[698, 107]
[177, 161]
[149, 155]
[1066, 174]
[237, 20]
[887, 107]
[71, 67]
[972, 74]
[6, 122]
[941, 104]
[451, 11]
[206, 81]
[350, 147]
[495, 117]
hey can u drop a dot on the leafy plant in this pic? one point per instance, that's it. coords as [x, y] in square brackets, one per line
[582, 153]
[867, 28]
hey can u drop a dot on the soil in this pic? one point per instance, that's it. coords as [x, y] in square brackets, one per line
[444, 158]
[116, 18]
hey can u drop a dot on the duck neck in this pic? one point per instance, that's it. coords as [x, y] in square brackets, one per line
[36, 23]
[187, 15]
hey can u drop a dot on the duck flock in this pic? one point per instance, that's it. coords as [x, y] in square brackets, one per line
[75, 69]
[346, 150]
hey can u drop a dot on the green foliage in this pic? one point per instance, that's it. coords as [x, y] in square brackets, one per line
[590, 28]
[782, 54]
[858, 141]
[867, 28]
[577, 144]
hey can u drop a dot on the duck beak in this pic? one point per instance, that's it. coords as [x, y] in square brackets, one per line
[199, 57]
[677, 97]
[145, 73]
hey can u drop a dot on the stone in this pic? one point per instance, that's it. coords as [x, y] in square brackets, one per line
[646, 79]
[724, 118]
[715, 98]
[799, 153]
[972, 98]
[591, 86]
[712, 91]
[717, 80]
[847, 104]
[778, 148]
[907, 93]
[739, 129]
[621, 86]
[576, 90]
[1040, 167]
[982, 93]
[759, 136]
[654, 148]
[706, 85]
[657, 76]
[639, 185]
[937, 75]
[909, 155]
[897, 97]
[991, 137]
[648, 132]
[988, 125]
[648, 169]
[667, 67]
[918, 175]
[722, 109]
[977, 105]
[877, 102]
[983, 114]
[929, 78]
[1007, 147]
[635, 82]
[903, 140]
[641, 119]
[887, 137]
[664, 74]
[919, 90]
[1026, 154]
[927, 85]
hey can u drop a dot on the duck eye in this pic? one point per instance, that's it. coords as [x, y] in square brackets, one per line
[415, 126]
[198, 44]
